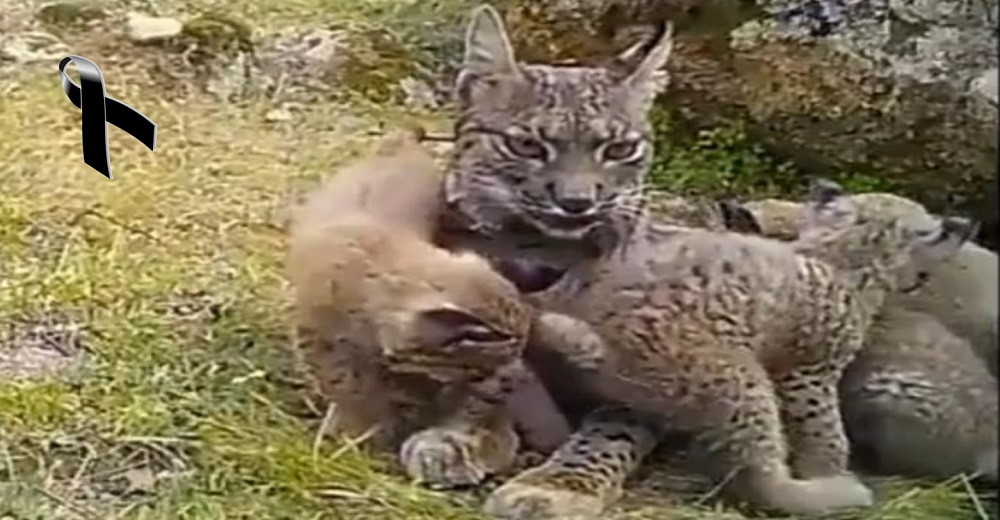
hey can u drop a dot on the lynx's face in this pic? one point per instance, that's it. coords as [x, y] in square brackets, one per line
[558, 149]
[896, 250]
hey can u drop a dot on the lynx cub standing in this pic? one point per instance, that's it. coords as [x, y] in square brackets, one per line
[414, 345]
[916, 387]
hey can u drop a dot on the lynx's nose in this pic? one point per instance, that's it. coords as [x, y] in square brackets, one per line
[575, 205]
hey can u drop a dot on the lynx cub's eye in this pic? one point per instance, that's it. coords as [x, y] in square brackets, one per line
[525, 146]
[620, 151]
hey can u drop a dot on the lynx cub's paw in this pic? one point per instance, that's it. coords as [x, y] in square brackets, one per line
[550, 493]
[573, 339]
[441, 458]
[817, 496]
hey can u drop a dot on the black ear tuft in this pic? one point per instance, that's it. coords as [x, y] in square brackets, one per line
[736, 217]
[824, 191]
[963, 228]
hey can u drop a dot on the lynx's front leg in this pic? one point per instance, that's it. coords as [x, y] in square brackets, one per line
[474, 441]
[809, 400]
[810, 409]
[583, 477]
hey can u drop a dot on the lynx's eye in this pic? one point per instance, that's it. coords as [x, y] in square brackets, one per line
[621, 151]
[525, 146]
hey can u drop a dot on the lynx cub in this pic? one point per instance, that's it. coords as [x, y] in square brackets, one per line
[416, 346]
[916, 387]
[962, 293]
[741, 341]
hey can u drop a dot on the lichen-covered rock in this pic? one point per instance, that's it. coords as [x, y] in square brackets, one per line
[905, 89]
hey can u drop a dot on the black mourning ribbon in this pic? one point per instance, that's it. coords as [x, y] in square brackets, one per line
[98, 110]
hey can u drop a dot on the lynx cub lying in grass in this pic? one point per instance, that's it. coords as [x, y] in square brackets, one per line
[916, 387]
[416, 346]
[741, 341]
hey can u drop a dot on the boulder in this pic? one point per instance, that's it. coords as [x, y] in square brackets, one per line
[905, 90]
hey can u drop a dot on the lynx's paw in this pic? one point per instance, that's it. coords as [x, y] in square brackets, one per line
[572, 338]
[459, 455]
[441, 458]
[816, 496]
[548, 493]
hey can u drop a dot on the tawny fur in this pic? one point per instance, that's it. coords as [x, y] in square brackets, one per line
[380, 315]
[919, 402]
[533, 138]
[961, 294]
[916, 387]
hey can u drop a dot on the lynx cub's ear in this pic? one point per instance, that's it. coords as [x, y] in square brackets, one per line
[448, 324]
[648, 78]
[953, 232]
[828, 208]
[825, 191]
[738, 218]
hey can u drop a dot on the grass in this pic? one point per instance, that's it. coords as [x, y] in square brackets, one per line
[187, 405]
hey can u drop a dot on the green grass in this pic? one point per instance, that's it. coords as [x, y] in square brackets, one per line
[188, 405]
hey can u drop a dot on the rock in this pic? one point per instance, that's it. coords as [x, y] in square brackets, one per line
[20, 49]
[298, 61]
[143, 29]
[902, 89]
[986, 86]
[418, 94]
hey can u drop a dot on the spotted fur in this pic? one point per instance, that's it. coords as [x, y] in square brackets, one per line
[961, 292]
[549, 154]
[740, 341]
[416, 348]
[916, 387]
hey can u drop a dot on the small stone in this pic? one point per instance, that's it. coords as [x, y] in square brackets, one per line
[278, 115]
[986, 85]
[142, 28]
[419, 94]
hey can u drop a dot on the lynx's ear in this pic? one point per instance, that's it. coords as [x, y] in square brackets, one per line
[952, 234]
[738, 218]
[829, 207]
[648, 78]
[448, 324]
[824, 192]
[487, 47]
[488, 52]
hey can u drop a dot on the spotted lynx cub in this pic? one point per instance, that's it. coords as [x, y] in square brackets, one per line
[916, 387]
[415, 346]
[740, 341]
[962, 293]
